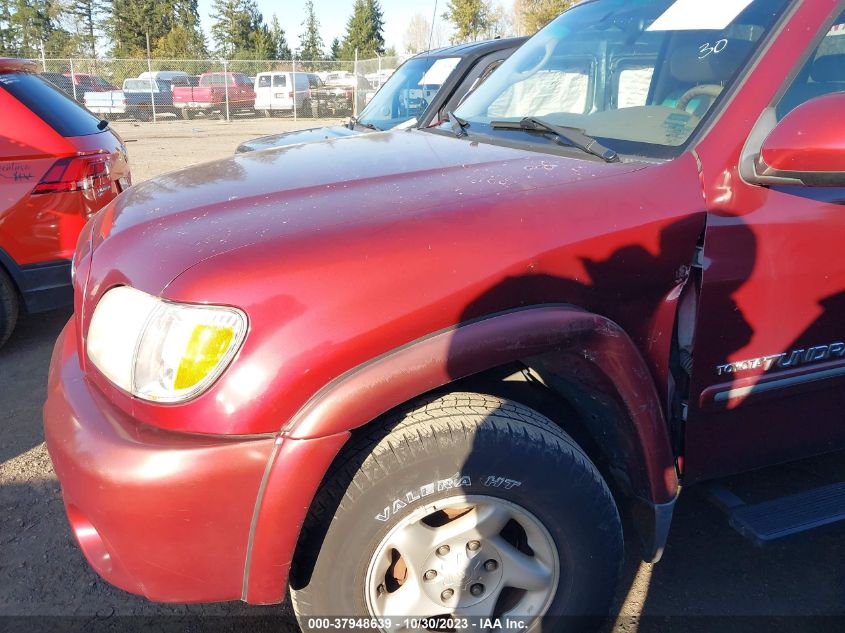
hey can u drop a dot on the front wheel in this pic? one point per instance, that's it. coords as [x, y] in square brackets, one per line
[469, 507]
[187, 114]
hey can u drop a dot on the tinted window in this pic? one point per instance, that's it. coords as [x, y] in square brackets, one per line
[823, 74]
[280, 81]
[183, 81]
[264, 81]
[50, 104]
[102, 84]
[212, 80]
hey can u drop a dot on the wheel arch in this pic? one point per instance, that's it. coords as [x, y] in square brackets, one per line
[585, 358]
[577, 356]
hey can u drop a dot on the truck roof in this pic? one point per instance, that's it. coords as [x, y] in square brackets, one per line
[17, 65]
[475, 48]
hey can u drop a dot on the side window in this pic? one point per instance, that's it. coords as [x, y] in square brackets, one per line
[824, 72]
[632, 82]
[477, 75]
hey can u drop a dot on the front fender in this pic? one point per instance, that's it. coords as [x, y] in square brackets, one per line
[567, 342]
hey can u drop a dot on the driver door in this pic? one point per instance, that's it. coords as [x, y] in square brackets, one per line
[768, 381]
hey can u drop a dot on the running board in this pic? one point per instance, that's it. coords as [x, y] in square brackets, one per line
[769, 521]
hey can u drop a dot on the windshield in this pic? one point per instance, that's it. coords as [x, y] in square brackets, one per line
[408, 92]
[638, 75]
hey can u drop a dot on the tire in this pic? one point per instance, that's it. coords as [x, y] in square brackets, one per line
[268, 114]
[144, 116]
[9, 307]
[187, 114]
[457, 451]
[316, 110]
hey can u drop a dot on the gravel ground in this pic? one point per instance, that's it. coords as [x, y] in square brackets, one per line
[708, 576]
[171, 144]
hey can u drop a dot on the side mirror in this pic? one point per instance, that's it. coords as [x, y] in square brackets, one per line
[807, 147]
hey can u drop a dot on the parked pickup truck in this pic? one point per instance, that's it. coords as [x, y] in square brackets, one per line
[419, 93]
[136, 99]
[422, 373]
[215, 90]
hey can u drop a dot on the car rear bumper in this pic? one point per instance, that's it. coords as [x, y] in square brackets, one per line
[172, 516]
[43, 287]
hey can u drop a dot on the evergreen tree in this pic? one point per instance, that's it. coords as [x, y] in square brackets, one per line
[188, 29]
[280, 41]
[87, 14]
[233, 25]
[364, 30]
[310, 41]
[336, 49]
[131, 20]
[26, 24]
[533, 15]
[8, 41]
[470, 18]
[180, 43]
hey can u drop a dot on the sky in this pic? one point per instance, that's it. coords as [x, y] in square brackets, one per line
[333, 15]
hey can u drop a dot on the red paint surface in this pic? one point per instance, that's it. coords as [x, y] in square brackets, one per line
[45, 227]
[367, 249]
[811, 138]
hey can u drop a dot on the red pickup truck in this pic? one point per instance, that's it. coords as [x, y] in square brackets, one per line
[416, 377]
[215, 92]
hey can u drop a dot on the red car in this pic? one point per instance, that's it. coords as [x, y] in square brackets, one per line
[420, 373]
[58, 165]
[215, 92]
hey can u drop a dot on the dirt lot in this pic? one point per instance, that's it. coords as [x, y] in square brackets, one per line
[708, 571]
[170, 144]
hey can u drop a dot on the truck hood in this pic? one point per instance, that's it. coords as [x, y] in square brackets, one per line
[283, 198]
[298, 136]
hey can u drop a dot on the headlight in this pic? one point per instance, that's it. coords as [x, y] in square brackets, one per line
[162, 351]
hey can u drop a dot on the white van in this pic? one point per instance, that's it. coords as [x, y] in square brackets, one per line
[274, 93]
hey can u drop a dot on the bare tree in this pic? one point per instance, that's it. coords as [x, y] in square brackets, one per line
[500, 21]
[417, 34]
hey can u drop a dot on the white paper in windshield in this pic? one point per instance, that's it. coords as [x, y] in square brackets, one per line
[634, 84]
[439, 71]
[699, 15]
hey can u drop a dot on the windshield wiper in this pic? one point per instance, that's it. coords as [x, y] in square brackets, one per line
[355, 122]
[459, 125]
[565, 136]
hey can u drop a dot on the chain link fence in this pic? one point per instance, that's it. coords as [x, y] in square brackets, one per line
[158, 89]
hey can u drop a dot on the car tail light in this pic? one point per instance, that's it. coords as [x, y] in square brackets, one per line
[79, 173]
[290, 95]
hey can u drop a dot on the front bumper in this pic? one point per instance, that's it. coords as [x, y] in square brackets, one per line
[161, 514]
[196, 105]
[170, 515]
